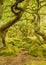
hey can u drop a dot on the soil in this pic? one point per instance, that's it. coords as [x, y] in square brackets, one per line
[21, 59]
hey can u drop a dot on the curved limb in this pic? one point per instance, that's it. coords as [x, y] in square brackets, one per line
[14, 7]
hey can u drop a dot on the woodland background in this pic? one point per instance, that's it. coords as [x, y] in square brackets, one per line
[28, 35]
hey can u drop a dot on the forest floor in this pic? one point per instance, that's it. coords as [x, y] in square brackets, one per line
[22, 59]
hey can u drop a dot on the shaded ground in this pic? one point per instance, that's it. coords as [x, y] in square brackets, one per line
[22, 59]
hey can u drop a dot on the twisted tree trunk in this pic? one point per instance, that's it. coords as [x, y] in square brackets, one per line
[4, 27]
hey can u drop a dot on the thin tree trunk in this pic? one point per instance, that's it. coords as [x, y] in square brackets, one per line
[3, 35]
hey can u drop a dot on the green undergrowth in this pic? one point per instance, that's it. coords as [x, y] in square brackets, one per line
[15, 46]
[36, 63]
